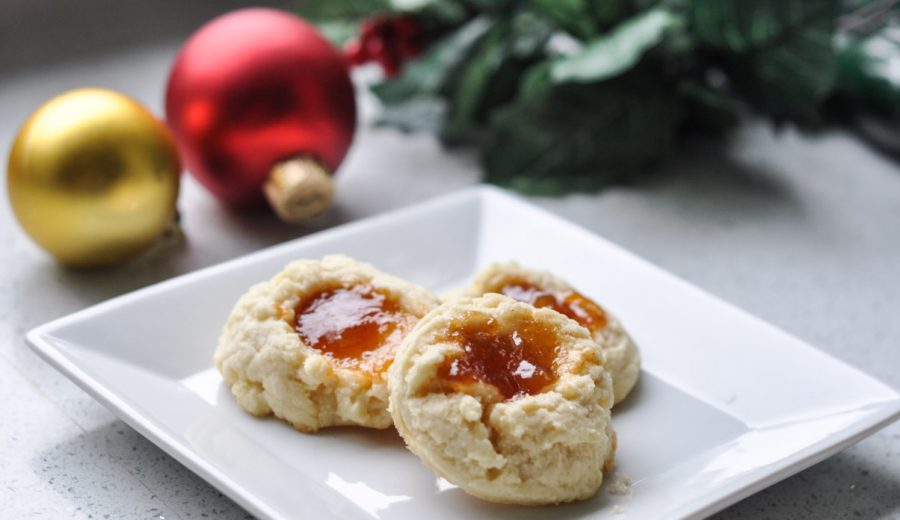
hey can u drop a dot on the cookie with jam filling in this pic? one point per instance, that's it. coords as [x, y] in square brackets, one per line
[313, 344]
[508, 401]
[545, 290]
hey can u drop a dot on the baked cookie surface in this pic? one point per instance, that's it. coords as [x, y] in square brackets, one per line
[543, 289]
[509, 402]
[313, 344]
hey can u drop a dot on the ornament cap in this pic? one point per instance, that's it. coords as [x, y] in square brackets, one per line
[299, 189]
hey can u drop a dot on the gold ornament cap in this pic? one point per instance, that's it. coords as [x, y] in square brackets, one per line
[93, 177]
[299, 189]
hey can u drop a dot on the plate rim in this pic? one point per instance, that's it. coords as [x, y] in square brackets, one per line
[37, 339]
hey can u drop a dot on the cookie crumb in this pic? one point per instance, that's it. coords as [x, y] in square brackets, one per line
[621, 484]
[618, 510]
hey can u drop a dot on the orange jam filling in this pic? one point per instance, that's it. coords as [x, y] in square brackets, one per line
[519, 361]
[356, 326]
[570, 303]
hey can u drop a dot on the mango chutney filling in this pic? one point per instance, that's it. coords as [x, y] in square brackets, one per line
[517, 361]
[573, 304]
[355, 326]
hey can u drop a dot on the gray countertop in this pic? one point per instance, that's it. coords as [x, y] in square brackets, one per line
[799, 231]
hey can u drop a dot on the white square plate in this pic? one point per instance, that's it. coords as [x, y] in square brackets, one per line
[726, 405]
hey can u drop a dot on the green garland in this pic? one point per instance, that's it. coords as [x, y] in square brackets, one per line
[563, 95]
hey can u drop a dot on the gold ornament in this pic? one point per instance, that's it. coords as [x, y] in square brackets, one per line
[93, 177]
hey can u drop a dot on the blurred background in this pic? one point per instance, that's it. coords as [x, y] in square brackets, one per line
[37, 35]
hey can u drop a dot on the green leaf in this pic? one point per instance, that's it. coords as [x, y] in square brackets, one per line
[778, 53]
[528, 35]
[472, 86]
[338, 31]
[581, 137]
[411, 5]
[586, 19]
[320, 10]
[439, 16]
[491, 75]
[426, 76]
[572, 16]
[536, 81]
[740, 25]
[442, 13]
[491, 5]
[791, 80]
[617, 52]
[607, 13]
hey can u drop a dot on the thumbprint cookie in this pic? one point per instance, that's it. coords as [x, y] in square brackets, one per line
[508, 401]
[545, 290]
[313, 344]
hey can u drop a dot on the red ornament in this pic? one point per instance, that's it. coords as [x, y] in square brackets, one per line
[258, 102]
